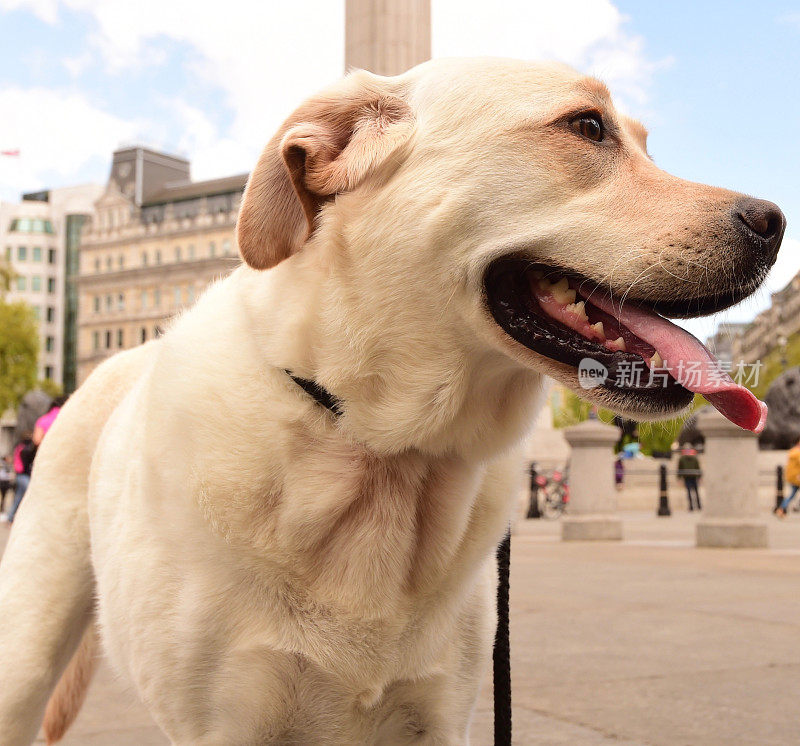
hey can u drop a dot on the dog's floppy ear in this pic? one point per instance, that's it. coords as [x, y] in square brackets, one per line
[328, 146]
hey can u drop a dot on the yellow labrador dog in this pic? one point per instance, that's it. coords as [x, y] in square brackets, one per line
[419, 252]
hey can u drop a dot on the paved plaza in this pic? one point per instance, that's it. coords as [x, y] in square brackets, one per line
[647, 642]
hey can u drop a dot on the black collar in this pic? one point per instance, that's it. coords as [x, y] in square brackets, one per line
[318, 394]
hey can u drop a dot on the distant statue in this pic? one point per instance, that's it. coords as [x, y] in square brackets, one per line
[783, 422]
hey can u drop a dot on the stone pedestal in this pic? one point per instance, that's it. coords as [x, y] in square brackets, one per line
[730, 474]
[592, 497]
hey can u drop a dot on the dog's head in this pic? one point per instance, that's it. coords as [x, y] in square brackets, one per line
[496, 218]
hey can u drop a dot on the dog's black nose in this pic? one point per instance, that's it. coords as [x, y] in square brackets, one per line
[764, 222]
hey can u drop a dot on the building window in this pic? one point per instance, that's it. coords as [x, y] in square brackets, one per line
[36, 284]
[142, 335]
[22, 284]
[109, 302]
[48, 372]
[96, 265]
[51, 256]
[226, 246]
[177, 253]
[120, 337]
[51, 284]
[144, 299]
[37, 312]
[144, 258]
[49, 344]
[121, 302]
[190, 294]
[157, 297]
[158, 256]
[191, 251]
[109, 263]
[22, 253]
[108, 339]
[9, 253]
[96, 340]
[121, 261]
[212, 249]
[51, 314]
[157, 331]
[37, 254]
[176, 293]
[97, 304]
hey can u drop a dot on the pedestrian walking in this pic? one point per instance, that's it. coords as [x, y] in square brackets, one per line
[619, 472]
[45, 422]
[689, 470]
[6, 482]
[24, 453]
[792, 476]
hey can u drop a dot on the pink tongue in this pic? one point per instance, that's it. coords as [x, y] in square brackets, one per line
[690, 363]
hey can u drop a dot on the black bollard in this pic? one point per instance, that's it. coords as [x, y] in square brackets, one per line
[778, 487]
[663, 497]
[533, 505]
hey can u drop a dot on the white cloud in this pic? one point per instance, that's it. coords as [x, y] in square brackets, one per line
[264, 57]
[44, 10]
[57, 133]
[267, 57]
[587, 34]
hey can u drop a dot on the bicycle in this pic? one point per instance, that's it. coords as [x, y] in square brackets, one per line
[553, 494]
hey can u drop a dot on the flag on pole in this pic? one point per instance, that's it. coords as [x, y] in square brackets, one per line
[12, 153]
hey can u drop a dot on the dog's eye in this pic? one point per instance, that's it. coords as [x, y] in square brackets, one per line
[589, 126]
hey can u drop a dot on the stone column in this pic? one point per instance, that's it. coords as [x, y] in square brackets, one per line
[387, 37]
[730, 474]
[592, 497]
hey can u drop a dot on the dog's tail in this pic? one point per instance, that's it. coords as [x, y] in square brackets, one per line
[66, 700]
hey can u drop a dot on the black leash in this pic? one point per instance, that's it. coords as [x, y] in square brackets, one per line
[501, 657]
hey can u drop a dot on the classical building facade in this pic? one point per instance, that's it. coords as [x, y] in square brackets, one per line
[156, 239]
[770, 329]
[726, 340]
[40, 237]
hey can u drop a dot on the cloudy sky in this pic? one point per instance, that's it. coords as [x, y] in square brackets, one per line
[716, 82]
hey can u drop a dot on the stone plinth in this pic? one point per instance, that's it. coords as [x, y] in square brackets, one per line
[730, 473]
[592, 497]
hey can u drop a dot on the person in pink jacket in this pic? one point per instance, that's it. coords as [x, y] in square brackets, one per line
[44, 423]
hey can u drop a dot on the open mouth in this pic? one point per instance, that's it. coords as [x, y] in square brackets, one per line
[643, 360]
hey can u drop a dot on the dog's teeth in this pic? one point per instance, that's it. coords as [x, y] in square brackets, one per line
[579, 309]
[656, 361]
[598, 327]
[618, 344]
[561, 292]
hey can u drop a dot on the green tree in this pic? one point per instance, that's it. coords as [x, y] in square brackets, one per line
[19, 345]
[570, 409]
